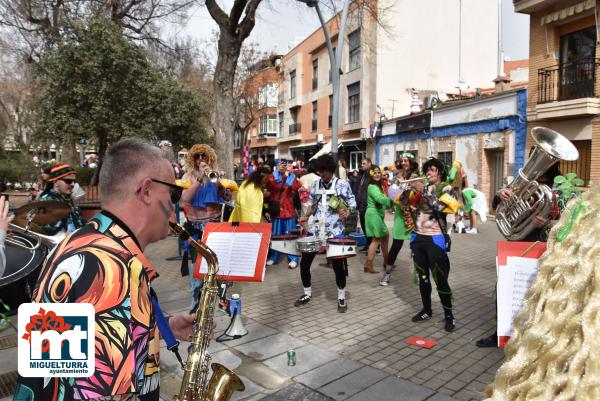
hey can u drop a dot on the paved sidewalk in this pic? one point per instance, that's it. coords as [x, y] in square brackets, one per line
[359, 355]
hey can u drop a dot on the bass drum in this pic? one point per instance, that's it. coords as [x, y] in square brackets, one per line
[22, 270]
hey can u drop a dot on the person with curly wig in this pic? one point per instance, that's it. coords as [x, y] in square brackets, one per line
[552, 354]
[201, 201]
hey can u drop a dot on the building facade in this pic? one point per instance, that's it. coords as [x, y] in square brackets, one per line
[487, 134]
[417, 52]
[563, 86]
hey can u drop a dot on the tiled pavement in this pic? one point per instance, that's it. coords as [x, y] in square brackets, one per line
[359, 355]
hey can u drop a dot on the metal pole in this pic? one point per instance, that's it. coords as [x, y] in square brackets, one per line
[335, 60]
[500, 52]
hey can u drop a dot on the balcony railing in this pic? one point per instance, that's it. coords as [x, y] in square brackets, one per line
[566, 81]
[314, 125]
[295, 128]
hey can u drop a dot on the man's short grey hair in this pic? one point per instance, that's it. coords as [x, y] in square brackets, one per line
[124, 160]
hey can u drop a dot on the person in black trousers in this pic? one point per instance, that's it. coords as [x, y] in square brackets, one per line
[360, 193]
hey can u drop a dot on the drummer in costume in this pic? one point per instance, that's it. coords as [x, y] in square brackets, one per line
[63, 180]
[282, 186]
[330, 224]
[403, 222]
[377, 203]
[201, 202]
[429, 241]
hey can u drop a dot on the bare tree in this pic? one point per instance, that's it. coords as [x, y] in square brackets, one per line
[234, 28]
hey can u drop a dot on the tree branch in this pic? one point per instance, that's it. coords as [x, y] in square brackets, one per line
[249, 20]
[217, 14]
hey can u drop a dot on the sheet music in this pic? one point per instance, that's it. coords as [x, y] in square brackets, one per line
[514, 280]
[237, 253]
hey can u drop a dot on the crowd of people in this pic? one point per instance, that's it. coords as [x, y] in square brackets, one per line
[141, 189]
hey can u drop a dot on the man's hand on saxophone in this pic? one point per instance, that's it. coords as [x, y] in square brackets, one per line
[182, 325]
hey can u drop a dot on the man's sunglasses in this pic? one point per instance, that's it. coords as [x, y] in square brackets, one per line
[68, 181]
[200, 156]
[176, 190]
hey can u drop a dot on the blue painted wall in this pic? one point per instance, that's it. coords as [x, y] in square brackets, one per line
[518, 123]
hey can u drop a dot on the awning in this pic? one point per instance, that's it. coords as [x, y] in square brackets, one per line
[304, 146]
[326, 149]
[568, 12]
[351, 142]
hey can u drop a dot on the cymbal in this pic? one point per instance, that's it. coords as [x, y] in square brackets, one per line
[21, 222]
[47, 211]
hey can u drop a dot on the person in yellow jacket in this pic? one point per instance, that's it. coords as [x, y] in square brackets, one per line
[249, 199]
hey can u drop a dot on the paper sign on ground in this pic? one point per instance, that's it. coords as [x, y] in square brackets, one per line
[514, 281]
[421, 342]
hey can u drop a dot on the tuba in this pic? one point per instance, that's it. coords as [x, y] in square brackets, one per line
[195, 385]
[531, 198]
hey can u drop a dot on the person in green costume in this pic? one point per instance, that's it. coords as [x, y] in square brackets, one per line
[377, 202]
[409, 168]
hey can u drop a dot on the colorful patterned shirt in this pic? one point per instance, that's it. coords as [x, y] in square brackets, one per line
[102, 264]
[71, 223]
[334, 225]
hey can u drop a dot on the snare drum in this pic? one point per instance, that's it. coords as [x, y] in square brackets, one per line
[341, 248]
[285, 244]
[22, 270]
[308, 244]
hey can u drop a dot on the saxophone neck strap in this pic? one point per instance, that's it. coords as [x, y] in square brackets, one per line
[163, 326]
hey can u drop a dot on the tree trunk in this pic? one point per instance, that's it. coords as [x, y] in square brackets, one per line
[102, 139]
[225, 118]
[69, 154]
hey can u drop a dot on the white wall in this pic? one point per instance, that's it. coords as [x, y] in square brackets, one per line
[423, 51]
[495, 107]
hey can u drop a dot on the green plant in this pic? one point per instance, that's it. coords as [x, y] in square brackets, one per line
[84, 175]
[568, 188]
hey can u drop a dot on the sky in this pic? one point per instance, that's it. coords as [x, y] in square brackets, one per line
[278, 27]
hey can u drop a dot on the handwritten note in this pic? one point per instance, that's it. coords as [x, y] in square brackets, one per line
[237, 253]
[514, 280]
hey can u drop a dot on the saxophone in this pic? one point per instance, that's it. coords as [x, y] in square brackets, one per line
[195, 385]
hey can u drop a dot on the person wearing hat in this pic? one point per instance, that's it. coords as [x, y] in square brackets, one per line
[429, 242]
[63, 179]
[282, 185]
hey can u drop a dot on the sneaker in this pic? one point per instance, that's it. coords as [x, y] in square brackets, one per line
[342, 306]
[304, 299]
[472, 231]
[385, 280]
[421, 316]
[293, 264]
[450, 323]
[270, 262]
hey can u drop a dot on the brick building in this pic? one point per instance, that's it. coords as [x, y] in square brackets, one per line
[563, 89]
[432, 47]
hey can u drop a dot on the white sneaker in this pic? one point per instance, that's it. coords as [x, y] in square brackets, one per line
[471, 231]
[270, 262]
[293, 264]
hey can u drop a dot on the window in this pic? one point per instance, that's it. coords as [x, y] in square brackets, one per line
[577, 64]
[292, 84]
[330, 118]
[281, 124]
[315, 74]
[356, 159]
[314, 116]
[295, 125]
[237, 139]
[268, 125]
[445, 157]
[354, 103]
[267, 95]
[354, 50]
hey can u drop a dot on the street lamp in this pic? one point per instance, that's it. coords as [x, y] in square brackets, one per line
[335, 60]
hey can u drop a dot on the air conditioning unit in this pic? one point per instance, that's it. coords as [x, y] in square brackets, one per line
[430, 102]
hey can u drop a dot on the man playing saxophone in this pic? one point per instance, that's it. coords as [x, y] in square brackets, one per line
[138, 194]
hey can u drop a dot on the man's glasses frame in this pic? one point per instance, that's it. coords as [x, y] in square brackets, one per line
[68, 181]
[176, 190]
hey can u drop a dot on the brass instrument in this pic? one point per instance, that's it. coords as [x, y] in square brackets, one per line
[48, 240]
[213, 176]
[195, 385]
[530, 198]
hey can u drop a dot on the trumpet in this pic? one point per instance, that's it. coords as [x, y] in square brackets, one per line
[48, 240]
[213, 176]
